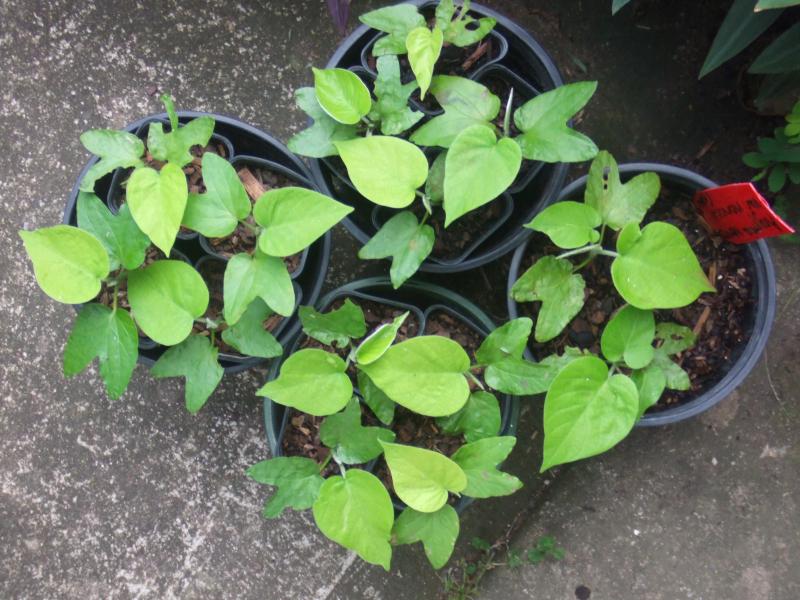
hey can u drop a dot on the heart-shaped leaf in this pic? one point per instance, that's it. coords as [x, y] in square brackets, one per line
[424, 46]
[342, 95]
[480, 418]
[519, 377]
[195, 359]
[119, 234]
[391, 106]
[568, 224]
[116, 149]
[479, 168]
[479, 462]
[157, 200]
[297, 479]
[437, 531]
[336, 327]
[351, 442]
[317, 140]
[397, 21]
[629, 336]
[259, 276]
[248, 335]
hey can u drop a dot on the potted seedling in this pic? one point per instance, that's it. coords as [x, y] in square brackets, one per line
[135, 289]
[393, 403]
[645, 330]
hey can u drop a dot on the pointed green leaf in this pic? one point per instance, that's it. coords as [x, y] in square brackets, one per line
[675, 338]
[772, 4]
[629, 336]
[259, 276]
[248, 334]
[116, 149]
[166, 297]
[69, 263]
[297, 479]
[378, 342]
[195, 359]
[676, 378]
[509, 339]
[342, 95]
[650, 383]
[317, 140]
[480, 418]
[112, 338]
[397, 21]
[351, 442]
[386, 170]
[391, 107]
[378, 402]
[437, 531]
[568, 224]
[356, 512]
[782, 55]
[519, 377]
[424, 47]
[174, 147]
[422, 478]
[157, 200]
[617, 5]
[121, 237]
[217, 212]
[336, 327]
[312, 381]
[479, 462]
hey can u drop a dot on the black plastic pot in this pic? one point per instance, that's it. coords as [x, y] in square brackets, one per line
[535, 188]
[244, 141]
[421, 299]
[759, 321]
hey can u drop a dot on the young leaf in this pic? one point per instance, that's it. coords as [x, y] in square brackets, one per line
[397, 21]
[123, 240]
[248, 335]
[479, 462]
[259, 276]
[424, 47]
[507, 340]
[586, 412]
[404, 240]
[293, 218]
[519, 377]
[478, 168]
[629, 336]
[334, 328]
[385, 169]
[217, 212]
[378, 402]
[391, 107]
[111, 337]
[422, 478]
[174, 147]
[376, 345]
[676, 378]
[297, 479]
[480, 418]
[463, 32]
[543, 121]
[438, 386]
[342, 95]
[438, 532]
[166, 297]
[312, 381]
[618, 203]
[69, 263]
[157, 200]
[351, 442]
[675, 338]
[356, 512]
[552, 281]
[650, 383]
[465, 103]
[196, 360]
[568, 224]
[659, 269]
[434, 186]
[116, 149]
[317, 140]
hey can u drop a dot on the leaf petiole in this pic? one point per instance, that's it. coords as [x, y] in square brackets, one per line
[594, 248]
[475, 379]
[326, 461]
[507, 118]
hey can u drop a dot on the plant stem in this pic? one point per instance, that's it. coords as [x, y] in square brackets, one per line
[589, 259]
[116, 292]
[213, 336]
[476, 380]
[583, 250]
[325, 462]
[610, 253]
[250, 226]
[507, 118]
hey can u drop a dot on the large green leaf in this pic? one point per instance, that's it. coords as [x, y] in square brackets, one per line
[195, 359]
[175, 146]
[479, 462]
[425, 374]
[378, 342]
[397, 21]
[312, 381]
[258, 276]
[336, 327]
[658, 269]
[317, 140]
[69, 263]
[465, 103]
[356, 512]
[121, 237]
[586, 412]
[543, 122]
[568, 224]
[111, 337]
[391, 106]
[478, 168]
[116, 149]
[385, 169]
[618, 203]
[297, 479]
[480, 418]
[378, 402]
[351, 442]
[217, 212]
[739, 28]
[780, 56]
[158, 200]
[507, 340]
[422, 478]
[342, 95]
[519, 377]
[650, 383]
[248, 335]
[437, 531]
[166, 297]
[551, 281]
[404, 240]
[629, 336]
[424, 46]
[293, 218]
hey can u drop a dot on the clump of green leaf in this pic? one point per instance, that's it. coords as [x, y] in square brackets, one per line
[593, 402]
[778, 157]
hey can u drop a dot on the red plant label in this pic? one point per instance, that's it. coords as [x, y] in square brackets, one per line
[738, 213]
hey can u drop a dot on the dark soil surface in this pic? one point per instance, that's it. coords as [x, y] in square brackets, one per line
[720, 320]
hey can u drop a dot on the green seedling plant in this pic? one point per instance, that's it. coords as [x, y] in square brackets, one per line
[427, 374]
[105, 255]
[594, 401]
[382, 141]
[778, 158]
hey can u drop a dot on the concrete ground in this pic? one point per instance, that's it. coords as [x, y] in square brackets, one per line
[138, 499]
